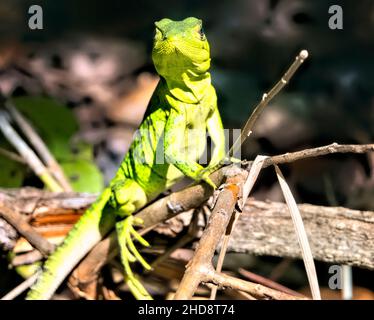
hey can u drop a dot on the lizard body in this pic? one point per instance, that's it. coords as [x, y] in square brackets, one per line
[167, 146]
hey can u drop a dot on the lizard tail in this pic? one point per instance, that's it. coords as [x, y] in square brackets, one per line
[86, 233]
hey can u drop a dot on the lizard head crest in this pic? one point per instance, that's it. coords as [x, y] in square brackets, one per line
[180, 47]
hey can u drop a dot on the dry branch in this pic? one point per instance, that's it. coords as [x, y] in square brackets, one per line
[200, 269]
[254, 289]
[250, 180]
[336, 234]
[27, 258]
[268, 282]
[22, 226]
[320, 151]
[200, 266]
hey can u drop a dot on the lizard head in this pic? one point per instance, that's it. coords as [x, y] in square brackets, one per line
[180, 47]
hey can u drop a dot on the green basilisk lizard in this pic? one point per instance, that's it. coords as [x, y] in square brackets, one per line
[170, 140]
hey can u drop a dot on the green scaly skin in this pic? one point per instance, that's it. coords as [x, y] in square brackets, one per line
[170, 140]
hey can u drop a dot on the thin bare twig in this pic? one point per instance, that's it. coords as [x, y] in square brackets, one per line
[254, 289]
[280, 269]
[39, 146]
[320, 151]
[27, 153]
[12, 156]
[27, 258]
[266, 98]
[268, 283]
[22, 287]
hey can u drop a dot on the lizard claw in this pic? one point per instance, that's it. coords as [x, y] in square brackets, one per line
[204, 176]
[137, 289]
[129, 253]
[210, 182]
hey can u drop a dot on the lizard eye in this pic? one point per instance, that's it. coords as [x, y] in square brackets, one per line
[202, 34]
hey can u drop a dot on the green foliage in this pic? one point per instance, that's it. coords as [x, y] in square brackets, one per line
[83, 175]
[54, 122]
[56, 125]
[12, 172]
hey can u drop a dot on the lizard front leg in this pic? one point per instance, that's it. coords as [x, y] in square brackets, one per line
[216, 132]
[176, 149]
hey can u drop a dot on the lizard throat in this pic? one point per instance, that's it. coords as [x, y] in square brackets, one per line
[189, 87]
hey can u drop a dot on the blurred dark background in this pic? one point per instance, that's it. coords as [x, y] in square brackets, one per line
[94, 57]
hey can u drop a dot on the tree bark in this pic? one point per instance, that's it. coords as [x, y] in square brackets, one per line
[336, 234]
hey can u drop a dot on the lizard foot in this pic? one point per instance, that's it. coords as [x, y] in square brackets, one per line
[129, 253]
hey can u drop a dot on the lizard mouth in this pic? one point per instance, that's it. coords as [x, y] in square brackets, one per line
[190, 50]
